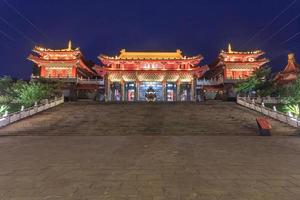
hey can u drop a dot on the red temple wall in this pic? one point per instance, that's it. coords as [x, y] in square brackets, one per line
[233, 74]
[130, 66]
[57, 73]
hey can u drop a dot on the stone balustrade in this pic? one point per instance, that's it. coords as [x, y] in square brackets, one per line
[268, 111]
[23, 113]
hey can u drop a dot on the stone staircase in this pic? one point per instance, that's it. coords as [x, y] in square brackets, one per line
[91, 118]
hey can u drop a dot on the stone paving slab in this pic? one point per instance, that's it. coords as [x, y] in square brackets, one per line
[88, 118]
[149, 167]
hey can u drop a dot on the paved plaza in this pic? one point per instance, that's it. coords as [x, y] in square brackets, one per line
[89, 151]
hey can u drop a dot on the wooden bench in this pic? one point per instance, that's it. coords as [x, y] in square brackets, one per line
[264, 126]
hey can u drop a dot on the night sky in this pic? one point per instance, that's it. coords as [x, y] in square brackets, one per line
[107, 26]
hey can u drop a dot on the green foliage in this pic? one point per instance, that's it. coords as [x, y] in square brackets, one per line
[267, 88]
[55, 86]
[6, 90]
[29, 93]
[290, 95]
[14, 93]
[260, 81]
[5, 99]
[247, 85]
[293, 108]
[6, 84]
[3, 109]
[263, 73]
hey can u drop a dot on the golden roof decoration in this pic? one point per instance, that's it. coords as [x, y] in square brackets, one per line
[291, 56]
[150, 55]
[229, 48]
[292, 66]
[69, 48]
[70, 45]
[230, 51]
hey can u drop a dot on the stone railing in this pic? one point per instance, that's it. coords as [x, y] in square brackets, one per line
[16, 116]
[70, 79]
[91, 81]
[269, 112]
[259, 100]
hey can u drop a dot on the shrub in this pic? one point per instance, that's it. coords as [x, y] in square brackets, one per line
[6, 89]
[3, 109]
[260, 81]
[292, 108]
[5, 99]
[29, 93]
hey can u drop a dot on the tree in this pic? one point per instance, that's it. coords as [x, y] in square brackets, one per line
[247, 86]
[291, 93]
[260, 82]
[292, 108]
[3, 109]
[55, 86]
[6, 90]
[290, 96]
[29, 93]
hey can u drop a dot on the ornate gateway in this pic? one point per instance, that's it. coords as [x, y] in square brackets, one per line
[151, 76]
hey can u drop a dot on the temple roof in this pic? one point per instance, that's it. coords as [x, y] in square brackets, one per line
[257, 62]
[38, 59]
[150, 55]
[215, 68]
[131, 55]
[61, 57]
[292, 66]
[290, 72]
[68, 49]
[230, 51]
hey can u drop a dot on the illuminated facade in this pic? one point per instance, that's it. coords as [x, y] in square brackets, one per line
[170, 74]
[61, 63]
[229, 68]
[167, 76]
[290, 72]
[68, 66]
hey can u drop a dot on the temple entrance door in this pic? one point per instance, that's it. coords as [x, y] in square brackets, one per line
[116, 94]
[185, 92]
[156, 86]
[171, 91]
[130, 91]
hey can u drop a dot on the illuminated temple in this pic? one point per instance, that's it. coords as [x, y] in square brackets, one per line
[289, 73]
[133, 76]
[229, 68]
[60, 63]
[170, 74]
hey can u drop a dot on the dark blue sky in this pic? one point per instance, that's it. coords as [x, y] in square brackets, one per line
[106, 26]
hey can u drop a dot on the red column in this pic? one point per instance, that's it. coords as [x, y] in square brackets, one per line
[43, 71]
[74, 71]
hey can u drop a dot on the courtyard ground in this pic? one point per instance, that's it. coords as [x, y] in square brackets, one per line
[177, 151]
